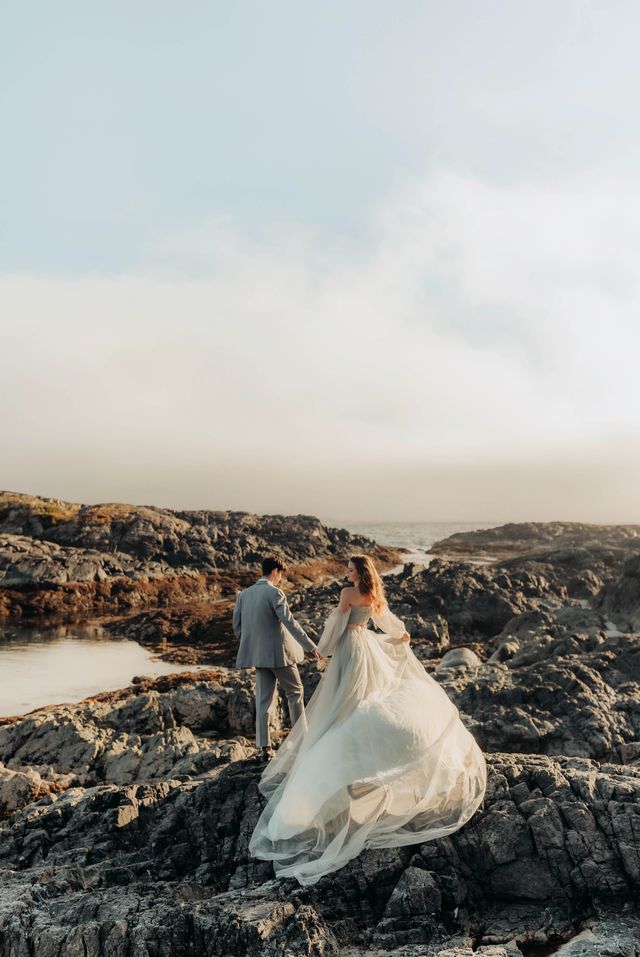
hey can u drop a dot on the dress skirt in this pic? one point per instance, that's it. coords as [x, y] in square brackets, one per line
[382, 760]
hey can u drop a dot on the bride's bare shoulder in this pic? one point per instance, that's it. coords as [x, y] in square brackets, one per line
[346, 598]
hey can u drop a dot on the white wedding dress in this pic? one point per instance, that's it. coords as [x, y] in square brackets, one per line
[381, 760]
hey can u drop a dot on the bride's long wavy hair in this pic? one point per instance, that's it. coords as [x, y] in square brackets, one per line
[370, 585]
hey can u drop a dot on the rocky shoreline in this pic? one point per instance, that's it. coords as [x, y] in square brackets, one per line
[125, 819]
[62, 560]
[156, 575]
[129, 829]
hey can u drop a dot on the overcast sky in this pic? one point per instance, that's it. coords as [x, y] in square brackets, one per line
[367, 260]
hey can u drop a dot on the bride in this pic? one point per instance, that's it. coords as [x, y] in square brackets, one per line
[383, 758]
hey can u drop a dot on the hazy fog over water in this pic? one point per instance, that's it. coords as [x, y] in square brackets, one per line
[362, 260]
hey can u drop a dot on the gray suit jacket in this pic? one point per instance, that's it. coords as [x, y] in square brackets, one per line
[265, 626]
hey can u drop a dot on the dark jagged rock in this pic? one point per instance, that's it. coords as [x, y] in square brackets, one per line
[516, 539]
[581, 570]
[553, 690]
[476, 601]
[563, 708]
[112, 866]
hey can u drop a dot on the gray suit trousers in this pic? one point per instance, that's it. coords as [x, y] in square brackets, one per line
[266, 678]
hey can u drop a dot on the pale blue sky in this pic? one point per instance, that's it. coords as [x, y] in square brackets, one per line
[127, 120]
[412, 225]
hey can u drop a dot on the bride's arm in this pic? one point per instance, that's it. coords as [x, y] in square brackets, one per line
[335, 625]
[390, 624]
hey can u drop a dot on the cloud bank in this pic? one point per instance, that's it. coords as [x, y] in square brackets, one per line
[476, 361]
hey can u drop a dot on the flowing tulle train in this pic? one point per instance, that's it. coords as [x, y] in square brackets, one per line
[382, 759]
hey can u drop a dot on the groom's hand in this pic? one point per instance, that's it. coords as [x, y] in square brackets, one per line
[316, 654]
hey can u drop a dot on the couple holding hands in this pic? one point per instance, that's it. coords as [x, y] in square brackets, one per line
[378, 758]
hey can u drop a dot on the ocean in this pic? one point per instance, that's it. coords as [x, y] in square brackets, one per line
[418, 537]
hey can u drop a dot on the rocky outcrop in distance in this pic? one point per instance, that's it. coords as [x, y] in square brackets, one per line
[579, 542]
[62, 558]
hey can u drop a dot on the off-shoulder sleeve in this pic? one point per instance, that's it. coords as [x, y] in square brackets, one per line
[333, 629]
[389, 623]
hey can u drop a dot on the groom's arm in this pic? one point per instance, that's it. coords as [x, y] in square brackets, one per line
[237, 616]
[281, 608]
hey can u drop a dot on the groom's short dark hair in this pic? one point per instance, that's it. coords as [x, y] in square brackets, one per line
[270, 563]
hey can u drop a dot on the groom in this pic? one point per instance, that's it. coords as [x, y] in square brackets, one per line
[263, 623]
